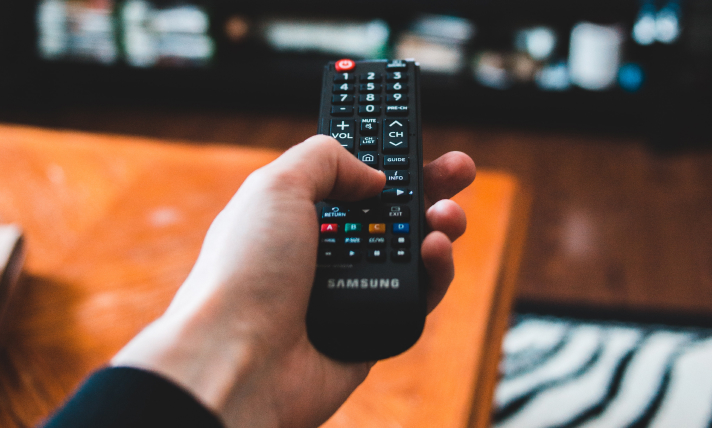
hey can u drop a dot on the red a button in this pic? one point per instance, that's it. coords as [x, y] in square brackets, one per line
[345, 65]
[329, 228]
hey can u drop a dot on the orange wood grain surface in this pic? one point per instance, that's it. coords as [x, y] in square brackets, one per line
[114, 224]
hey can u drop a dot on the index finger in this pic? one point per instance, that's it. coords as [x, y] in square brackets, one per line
[446, 176]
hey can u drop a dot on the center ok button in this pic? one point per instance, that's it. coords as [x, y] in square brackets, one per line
[395, 136]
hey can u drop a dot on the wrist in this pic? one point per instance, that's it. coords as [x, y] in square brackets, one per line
[219, 368]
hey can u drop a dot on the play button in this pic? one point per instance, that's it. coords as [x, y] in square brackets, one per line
[396, 195]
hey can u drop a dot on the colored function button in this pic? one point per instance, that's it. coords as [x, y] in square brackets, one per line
[397, 76]
[395, 160]
[376, 255]
[343, 131]
[370, 77]
[395, 135]
[344, 65]
[377, 228]
[397, 177]
[352, 228]
[397, 213]
[329, 228]
[345, 77]
[396, 195]
[342, 99]
[369, 158]
[336, 213]
[400, 255]
[369, 99]
[401, 228]
[369, 126]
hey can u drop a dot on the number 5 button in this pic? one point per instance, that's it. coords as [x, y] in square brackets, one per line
[395, 136]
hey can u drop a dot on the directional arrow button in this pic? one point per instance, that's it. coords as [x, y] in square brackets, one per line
[396, 195]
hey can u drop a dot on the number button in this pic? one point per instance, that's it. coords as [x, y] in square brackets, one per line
[396, 87]
[370, 87]
[397, 98]
[396, 76]
[342, 99]
[370, 77]
[344, 77]
[369, 99]
[343, 88]
[369, 110]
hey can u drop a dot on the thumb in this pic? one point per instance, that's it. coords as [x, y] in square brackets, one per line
[324, 170]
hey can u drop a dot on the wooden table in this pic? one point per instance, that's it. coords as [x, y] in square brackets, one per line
[114, 224]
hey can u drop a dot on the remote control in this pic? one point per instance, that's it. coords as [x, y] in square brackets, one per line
[368, 298]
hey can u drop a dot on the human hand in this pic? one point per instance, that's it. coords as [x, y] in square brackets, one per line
[235, 333]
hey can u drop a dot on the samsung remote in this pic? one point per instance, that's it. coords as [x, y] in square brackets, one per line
[368, 298]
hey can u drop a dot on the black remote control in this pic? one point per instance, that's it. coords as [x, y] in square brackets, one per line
[368, 298]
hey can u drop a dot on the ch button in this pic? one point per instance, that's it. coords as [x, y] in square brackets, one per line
[395, 136]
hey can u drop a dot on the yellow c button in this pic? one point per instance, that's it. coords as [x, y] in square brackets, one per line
[377, 228]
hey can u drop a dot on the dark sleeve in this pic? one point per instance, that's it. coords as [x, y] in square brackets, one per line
[123, 397]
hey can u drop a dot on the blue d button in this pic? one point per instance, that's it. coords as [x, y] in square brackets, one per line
[401, 228]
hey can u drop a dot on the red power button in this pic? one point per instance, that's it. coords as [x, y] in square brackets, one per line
[345, 65]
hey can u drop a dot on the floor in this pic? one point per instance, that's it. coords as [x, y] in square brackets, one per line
[617, 229]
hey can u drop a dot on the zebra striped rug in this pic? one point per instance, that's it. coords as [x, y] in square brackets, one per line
[565, 373]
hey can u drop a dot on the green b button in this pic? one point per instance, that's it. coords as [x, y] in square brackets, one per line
[352, 227]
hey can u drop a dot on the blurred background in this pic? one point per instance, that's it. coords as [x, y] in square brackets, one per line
[601, 108]
[636, 65]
